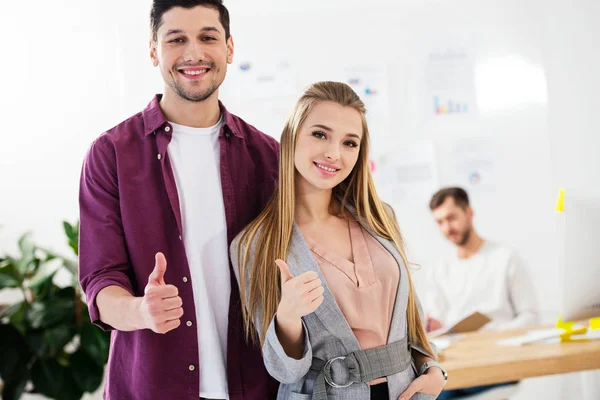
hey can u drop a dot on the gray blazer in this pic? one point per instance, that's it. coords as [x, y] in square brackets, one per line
[329, 335]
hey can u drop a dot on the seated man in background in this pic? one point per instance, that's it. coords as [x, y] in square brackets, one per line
[482, 276]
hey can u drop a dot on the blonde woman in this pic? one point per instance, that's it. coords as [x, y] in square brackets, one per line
[338, 319]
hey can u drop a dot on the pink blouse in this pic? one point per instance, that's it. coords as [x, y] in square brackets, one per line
[365, 290]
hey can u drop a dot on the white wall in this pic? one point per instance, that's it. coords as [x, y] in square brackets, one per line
[68, 75]
[518, 210]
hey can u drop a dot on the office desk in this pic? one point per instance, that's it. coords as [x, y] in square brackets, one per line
[477, 360]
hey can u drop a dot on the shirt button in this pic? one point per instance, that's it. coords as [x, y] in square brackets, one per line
[167, 128]
[179, 237]
[191, 368]
[189, 323]
[185, 279]
[227, 134]
[158, 156]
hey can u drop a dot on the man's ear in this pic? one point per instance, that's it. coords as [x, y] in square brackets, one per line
[230, 50]
[470, 211]
[153, 53]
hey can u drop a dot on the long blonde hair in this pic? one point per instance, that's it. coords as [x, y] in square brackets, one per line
[271, 231]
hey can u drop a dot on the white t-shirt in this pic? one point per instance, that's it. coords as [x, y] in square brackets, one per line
[493, 281]
[195, 158]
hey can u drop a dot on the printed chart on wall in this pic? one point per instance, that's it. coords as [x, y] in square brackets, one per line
[449, 84]
[371, 84]
[263, 93]
[474, 165]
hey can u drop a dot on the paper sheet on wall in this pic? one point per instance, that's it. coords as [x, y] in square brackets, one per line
[473, 165]
[450, 83]
[253, 81]
[408, 176]
[263, 93]
[370, 82]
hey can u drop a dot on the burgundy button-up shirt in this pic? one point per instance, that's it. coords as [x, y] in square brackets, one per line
[129, 210]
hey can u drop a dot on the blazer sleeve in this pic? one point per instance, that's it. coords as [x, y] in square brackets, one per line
[280, 366]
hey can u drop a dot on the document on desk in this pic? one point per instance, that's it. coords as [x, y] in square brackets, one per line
[471, 323]
[546, 336]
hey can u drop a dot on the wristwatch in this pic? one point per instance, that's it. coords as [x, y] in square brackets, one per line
[430, 364]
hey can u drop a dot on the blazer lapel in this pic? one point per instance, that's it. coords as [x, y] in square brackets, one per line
[300, 260]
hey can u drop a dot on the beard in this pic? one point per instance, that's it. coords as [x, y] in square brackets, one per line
[193, 95]
[460, 238]
[466, 235]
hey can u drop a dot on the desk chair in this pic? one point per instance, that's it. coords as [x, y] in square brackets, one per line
[499, 393]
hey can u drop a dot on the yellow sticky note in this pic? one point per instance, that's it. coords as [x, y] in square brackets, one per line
[569, 339]
[567, 326]
[595, 323]
[560, 202]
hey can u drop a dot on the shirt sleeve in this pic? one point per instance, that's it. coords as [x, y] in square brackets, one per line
[436, 304]
[521, 295]
[103, 259]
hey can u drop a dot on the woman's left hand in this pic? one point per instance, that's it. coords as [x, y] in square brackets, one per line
[431, 382]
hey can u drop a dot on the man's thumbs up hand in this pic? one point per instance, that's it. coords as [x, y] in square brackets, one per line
[161, 305]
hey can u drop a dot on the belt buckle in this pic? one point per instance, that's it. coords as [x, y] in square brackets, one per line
[327, 374]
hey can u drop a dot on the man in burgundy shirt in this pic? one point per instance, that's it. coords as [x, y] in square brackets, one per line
[162, 195]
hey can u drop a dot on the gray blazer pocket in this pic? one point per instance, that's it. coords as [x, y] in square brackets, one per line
[299, 396]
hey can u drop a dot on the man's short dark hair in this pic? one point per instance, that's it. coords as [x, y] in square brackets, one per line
[159, 7]
[460, 196]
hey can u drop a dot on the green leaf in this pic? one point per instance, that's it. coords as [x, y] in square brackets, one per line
[14, 389]
[58, 337]
[51, 311]
[44, 273]
[70, 390]
[37, 344]
[86, 372]
[10, 267]
[8, 311]
[26, 245]
[15, 354]
[50, 342]
[72, 266]
[69, 231]
[43, 290]
[8, 281]
[47, 376]
[66, 293]
[27, 248]
[24, 266]
[74, 245]
[95, 342]
[16, 316]
[72, 233]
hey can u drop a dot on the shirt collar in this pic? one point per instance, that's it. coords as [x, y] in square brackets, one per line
[155, 119]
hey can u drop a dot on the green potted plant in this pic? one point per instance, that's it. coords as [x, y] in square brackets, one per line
[48, 343]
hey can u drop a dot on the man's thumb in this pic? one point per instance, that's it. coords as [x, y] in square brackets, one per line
[157, 276]
[286, 275]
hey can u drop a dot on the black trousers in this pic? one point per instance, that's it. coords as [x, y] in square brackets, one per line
[380, 392]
